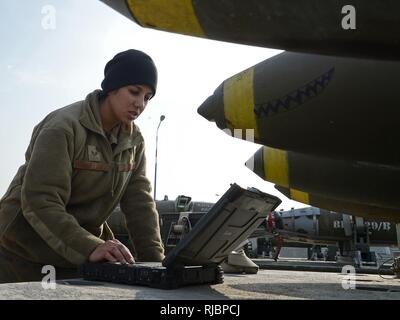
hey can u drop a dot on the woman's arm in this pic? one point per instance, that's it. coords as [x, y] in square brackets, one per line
[46, 190]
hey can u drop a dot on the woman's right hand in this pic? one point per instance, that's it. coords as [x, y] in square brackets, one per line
[113, 251]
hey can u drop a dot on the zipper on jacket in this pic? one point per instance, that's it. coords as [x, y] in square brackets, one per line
[111, 152]
[114, 172]
[113, 179]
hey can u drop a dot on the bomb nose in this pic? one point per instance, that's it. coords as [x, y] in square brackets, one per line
[212, 109]
[208, 109]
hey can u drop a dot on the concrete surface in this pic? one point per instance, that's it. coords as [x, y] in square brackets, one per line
[267, 284]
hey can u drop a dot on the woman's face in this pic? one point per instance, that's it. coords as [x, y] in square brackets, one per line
[127, 103]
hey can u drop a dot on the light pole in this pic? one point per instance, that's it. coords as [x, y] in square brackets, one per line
[155, 166]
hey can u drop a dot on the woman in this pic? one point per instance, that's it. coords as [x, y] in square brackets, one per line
[81, 162]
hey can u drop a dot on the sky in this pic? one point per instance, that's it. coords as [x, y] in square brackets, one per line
[54, 53]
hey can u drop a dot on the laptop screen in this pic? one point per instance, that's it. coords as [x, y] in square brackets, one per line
[223, 228]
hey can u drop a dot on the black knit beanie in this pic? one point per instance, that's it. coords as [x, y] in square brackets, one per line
[129, 68]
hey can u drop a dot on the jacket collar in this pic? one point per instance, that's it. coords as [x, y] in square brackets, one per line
[128, 137]
[90, 118]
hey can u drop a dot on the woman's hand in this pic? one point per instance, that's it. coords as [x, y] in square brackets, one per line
[112, 250]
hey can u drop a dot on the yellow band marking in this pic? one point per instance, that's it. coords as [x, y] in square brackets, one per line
[173, 15]
[276, 168]
[239, 102]
[300, 196]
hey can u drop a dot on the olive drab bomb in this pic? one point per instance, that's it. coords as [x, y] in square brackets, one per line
[307, 26]
[327, 106]
[328, 124]
[338, 185]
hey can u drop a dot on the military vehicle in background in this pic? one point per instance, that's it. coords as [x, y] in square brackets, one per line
[347, 239]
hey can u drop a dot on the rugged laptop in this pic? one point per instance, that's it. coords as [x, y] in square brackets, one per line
[196, 258]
